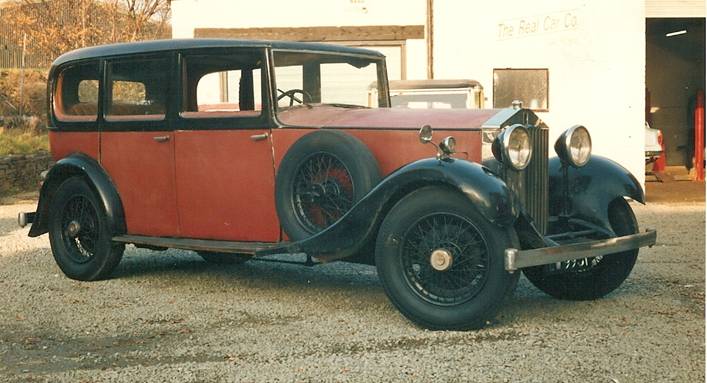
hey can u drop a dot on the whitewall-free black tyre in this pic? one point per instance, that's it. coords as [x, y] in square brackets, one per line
[441, 262]
[78, 233]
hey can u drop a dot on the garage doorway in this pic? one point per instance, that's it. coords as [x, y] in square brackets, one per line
[675, 72]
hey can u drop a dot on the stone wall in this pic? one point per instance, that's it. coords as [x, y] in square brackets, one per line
[20, 172]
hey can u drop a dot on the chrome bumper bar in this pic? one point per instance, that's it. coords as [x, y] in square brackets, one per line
[517, 259]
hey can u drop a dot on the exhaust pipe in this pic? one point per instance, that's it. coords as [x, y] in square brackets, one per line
[24, 219]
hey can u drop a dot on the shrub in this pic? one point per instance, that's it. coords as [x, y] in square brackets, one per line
[34, 99]
[22, 141]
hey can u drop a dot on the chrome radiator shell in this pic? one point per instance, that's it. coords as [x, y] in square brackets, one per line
[531, 185]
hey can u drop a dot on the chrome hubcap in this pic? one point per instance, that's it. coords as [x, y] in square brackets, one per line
[441, 260]
[73, 229]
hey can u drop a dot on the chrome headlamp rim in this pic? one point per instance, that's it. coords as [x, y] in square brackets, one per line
[504, 142]
[448, 145]
[563, 146]
[425, 134]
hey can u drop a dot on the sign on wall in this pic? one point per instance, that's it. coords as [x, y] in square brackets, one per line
[538, 24]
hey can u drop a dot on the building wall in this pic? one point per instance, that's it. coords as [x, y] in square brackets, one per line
[594, 51]
[675, 8]
[188, 15]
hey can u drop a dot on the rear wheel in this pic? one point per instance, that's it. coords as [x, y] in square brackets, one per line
[78, 233]
[441, 262]
[592, 278]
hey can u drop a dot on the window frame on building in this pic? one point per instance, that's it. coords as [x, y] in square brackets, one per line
[505, 103]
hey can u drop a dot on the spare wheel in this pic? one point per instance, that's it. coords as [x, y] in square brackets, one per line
[320, 178]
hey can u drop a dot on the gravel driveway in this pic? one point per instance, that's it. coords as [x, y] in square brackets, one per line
[169, 316]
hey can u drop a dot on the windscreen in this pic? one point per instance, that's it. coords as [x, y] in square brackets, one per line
[311, 78]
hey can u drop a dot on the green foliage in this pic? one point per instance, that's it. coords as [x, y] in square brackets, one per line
[22, 141]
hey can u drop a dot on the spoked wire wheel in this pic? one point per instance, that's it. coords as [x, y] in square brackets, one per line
[323, 191]
[79, 223]
[591, 278]
[79, 234]
[441, 262]
[445, 259]
[320, 178]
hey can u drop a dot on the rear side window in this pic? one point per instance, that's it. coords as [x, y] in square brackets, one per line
[137, 90]
[76, 93]
[227, 85]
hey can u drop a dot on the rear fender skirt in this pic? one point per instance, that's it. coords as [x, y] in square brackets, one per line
[79, 164]
[591, 189]
[359, 226]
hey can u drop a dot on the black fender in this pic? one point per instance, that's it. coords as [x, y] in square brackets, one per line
[79, 164]
[486, 192]
[591, 189]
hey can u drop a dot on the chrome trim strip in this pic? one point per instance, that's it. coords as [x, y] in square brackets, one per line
[515, 259]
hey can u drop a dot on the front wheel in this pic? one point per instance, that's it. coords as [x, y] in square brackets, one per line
[592, 278]
[78, 233]
[441, 262]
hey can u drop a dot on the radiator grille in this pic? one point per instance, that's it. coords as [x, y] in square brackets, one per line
[531, 184]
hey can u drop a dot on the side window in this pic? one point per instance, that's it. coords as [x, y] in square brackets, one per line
[76, 93]
[223, 85]
[138, 90]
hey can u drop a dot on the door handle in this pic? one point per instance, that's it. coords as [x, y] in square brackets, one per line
[259, 137]
[161, 138]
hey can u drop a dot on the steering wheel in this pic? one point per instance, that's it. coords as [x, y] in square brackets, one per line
[291, 94]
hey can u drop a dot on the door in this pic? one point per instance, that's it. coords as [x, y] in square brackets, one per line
[137, 144]
[224, 165]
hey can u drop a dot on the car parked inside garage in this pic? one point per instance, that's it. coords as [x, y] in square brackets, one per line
[240, 149]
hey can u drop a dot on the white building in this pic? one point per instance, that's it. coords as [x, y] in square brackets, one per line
[574, 61]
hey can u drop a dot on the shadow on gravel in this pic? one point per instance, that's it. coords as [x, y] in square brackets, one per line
[48, 351]
[171, 266]
[52, 352]
[335, 280]
[139, 263]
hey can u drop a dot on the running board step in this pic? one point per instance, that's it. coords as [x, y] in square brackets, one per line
[199, 244]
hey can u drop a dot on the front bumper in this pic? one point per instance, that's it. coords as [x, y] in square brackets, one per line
[517, 259]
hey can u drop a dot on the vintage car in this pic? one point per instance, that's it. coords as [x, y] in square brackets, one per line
[241, 149]
[654, 140]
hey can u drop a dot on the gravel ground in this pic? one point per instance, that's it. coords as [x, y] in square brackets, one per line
[169, 316]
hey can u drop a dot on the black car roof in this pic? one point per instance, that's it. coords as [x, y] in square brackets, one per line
[177, 44]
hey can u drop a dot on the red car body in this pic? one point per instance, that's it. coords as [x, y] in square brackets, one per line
[188, 195]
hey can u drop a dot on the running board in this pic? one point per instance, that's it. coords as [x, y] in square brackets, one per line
[199, 244]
